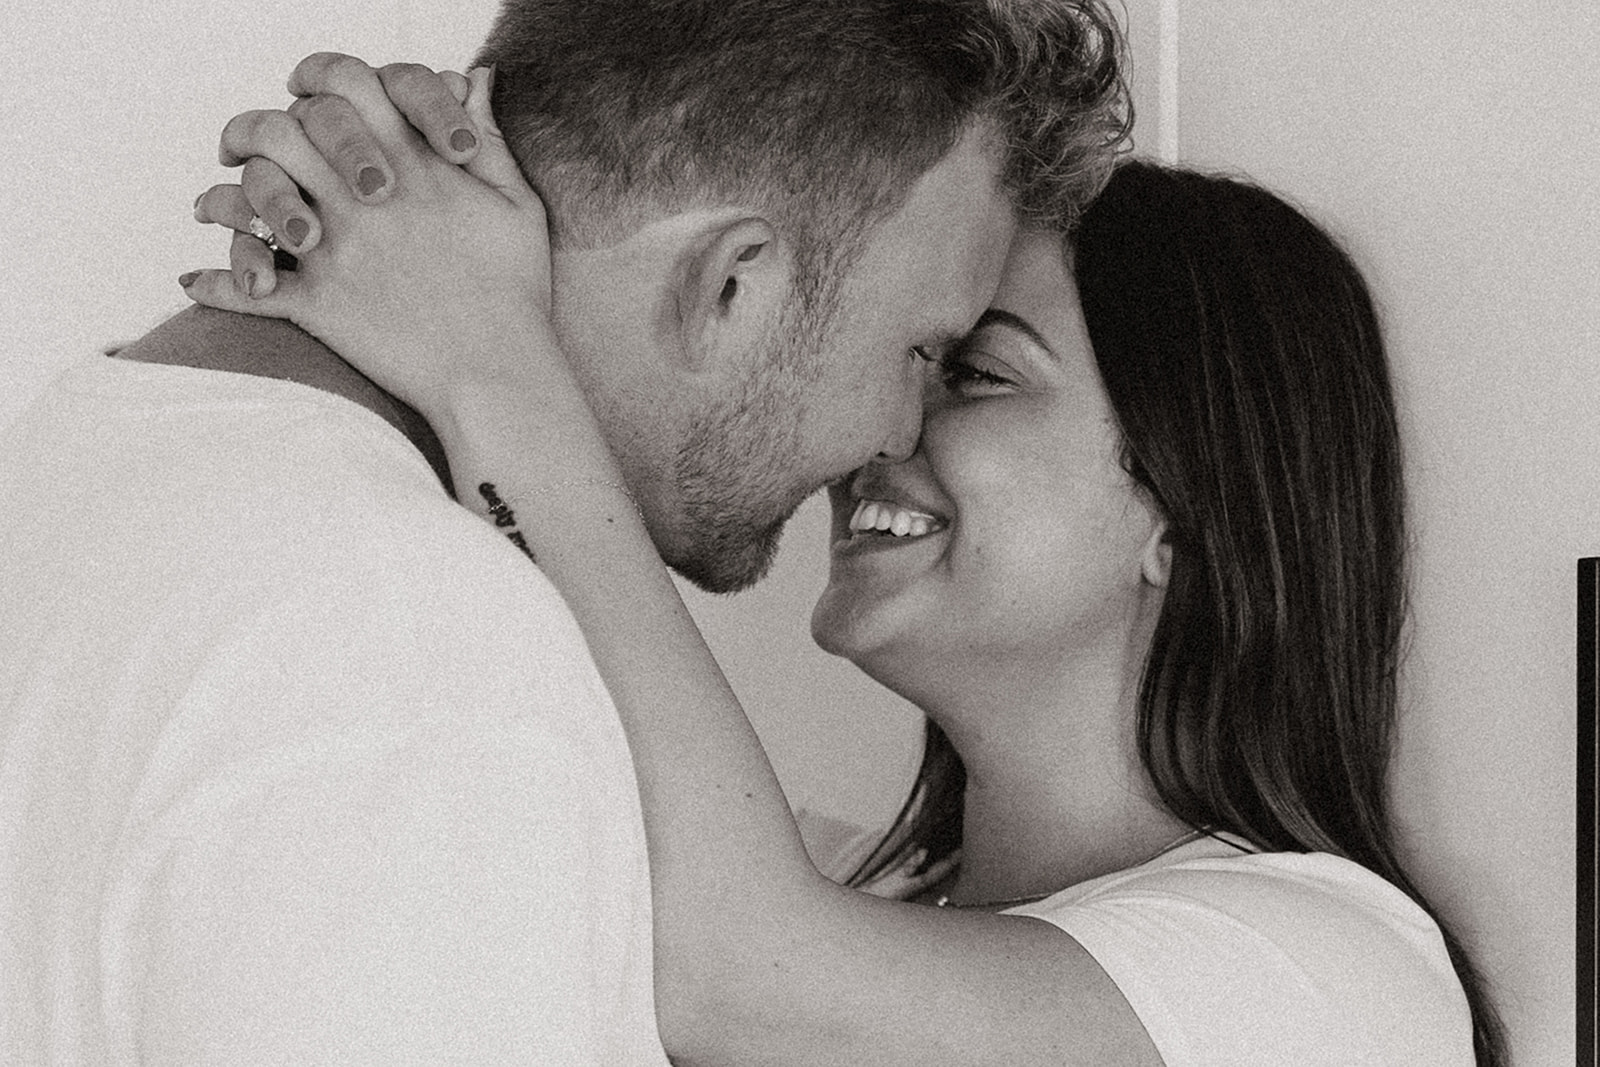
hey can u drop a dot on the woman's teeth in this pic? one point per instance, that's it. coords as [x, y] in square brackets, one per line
[884, 517]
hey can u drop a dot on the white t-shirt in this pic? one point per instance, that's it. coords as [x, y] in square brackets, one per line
[300, 762]
[1237, 959]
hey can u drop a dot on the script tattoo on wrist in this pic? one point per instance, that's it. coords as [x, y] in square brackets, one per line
[504, 517]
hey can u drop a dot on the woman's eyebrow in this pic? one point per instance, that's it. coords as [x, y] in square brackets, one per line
[997, 317]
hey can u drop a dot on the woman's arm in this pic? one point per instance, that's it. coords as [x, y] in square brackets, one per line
[760, 960]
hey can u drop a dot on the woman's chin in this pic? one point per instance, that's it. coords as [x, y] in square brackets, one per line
[863, 630]
[835, 623]
[845, 623]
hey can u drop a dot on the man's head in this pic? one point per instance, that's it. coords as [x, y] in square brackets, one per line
[761, 208]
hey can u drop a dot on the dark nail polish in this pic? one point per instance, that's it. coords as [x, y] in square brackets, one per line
[187, 280]
[370, 180]
[463, 141]
[250, 283]
[297, 229]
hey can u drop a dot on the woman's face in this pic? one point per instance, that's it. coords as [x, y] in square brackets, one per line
[1013, 534]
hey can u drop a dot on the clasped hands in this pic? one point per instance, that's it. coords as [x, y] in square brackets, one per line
[420, 252]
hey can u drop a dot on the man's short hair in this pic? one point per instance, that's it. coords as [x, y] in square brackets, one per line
[819, 114]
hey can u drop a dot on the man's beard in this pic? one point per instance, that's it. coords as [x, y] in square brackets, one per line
[736, 472]
[730, 555]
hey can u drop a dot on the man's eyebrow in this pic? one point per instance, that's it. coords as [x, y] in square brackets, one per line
[997, 317]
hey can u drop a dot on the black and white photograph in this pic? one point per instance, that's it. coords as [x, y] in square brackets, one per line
[615, 533]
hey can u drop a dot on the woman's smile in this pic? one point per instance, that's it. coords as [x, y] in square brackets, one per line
[887, 517]
[872, 515]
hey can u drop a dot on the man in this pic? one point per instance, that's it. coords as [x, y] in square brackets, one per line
[280, 779]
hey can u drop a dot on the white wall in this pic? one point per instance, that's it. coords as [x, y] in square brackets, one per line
[1450, 141]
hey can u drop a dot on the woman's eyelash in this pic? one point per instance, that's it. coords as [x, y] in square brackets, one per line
[954, 370]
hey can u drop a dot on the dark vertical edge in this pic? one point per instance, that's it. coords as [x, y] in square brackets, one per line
[1588, 751]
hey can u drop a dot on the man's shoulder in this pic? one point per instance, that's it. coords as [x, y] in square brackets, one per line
[202, 494]
[207, 339]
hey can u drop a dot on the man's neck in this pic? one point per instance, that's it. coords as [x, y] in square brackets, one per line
[272, 348]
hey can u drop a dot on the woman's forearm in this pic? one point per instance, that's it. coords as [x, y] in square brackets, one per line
[721, 836]
[759, 959]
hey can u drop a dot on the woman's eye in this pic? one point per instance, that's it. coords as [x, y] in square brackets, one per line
[962, 376]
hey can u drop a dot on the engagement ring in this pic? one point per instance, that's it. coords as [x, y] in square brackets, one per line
[259, 228]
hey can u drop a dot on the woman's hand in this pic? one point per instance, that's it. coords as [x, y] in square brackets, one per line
[422, 273]
[431, 102]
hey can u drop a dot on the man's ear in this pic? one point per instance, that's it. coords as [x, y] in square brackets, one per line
[1155, 561]
[730, 290]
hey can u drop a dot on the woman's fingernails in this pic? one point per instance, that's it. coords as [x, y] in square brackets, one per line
[463, 141]
[187, 280]
[369, 180]
[250, 283]
[297, 229]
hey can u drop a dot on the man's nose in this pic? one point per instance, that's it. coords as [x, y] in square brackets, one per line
[905, 427]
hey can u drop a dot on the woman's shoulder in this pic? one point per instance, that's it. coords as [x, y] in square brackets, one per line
[1288, 898]
[1226, 872]
[1317, 958]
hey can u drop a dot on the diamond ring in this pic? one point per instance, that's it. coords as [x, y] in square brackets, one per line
[260, 229]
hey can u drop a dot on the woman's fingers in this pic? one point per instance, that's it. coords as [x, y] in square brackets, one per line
[273, 195]
[349, 123]
[392, 105]
[250, 261]
[225, 205]
[278, 136]
[457, 83]
[432, 108]
[340, 133]
[215, 288]
[494, 163]
[336, 74]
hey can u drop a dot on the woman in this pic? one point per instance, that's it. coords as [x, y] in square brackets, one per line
[1144, 575]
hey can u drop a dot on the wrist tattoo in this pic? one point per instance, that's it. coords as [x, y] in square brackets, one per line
[505, 517]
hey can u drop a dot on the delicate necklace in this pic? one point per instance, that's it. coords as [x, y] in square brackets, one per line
[944, 901]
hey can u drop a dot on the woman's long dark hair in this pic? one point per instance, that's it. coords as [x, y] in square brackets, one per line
[1242, 356]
